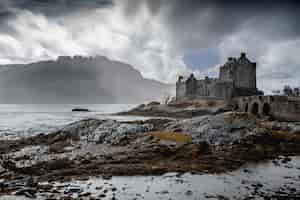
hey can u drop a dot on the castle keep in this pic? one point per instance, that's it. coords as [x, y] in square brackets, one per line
[237, 77]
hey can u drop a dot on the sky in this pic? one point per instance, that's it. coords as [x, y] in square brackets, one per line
[160, 38]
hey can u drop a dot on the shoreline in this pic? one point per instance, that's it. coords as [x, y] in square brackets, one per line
[208, 144]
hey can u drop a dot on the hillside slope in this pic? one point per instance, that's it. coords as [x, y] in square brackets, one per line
[77, 80]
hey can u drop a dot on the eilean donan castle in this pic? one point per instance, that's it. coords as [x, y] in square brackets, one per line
[237, 77]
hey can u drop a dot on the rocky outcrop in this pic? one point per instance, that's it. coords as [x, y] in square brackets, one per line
[111, 132]
[207, 144]
[225, 128]
[175, 110]
[102, 131]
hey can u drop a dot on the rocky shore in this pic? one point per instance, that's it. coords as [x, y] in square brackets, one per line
[181, 109]
[209, 144]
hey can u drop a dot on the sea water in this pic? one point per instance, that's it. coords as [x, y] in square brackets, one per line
[23, 120]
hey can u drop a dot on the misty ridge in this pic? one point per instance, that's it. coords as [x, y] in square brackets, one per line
[77, 80]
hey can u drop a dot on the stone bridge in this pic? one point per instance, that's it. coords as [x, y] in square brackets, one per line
[281, 108]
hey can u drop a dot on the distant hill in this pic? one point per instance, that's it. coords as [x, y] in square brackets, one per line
[77, 80]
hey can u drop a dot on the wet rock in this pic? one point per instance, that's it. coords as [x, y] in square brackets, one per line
[107, 177]
[80, 110]
[275, 162]
[221, 197]
[86, 194]
[257, 185]
[99, 188]
[45, 187]
[27, 192]
[153, 103]
[188, 193]
[73, 189]
[102, 195]
[286, 160]
[31, 182]
[66, 198]
[164, 192]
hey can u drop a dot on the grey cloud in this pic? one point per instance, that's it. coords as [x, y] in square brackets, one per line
[173, 27]
[54, 7]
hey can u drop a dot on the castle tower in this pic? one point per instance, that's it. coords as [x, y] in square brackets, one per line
[191, 86]
[244, 73]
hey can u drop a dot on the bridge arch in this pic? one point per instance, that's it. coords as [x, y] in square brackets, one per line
[255, 108]
[236, 106]
[246, 107]
[266, 109]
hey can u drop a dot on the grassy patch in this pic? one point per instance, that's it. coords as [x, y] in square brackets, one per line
[171, 136]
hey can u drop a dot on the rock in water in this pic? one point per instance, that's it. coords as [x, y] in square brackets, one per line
[80, 110]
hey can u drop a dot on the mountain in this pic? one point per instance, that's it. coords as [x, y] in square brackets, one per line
[77, 80]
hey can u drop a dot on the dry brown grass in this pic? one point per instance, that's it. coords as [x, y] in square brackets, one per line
[286, 136]
[171, 136]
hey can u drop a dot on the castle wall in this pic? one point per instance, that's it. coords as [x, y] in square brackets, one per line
[226, 72]
[222, 90]
[191, 86]
[204, 87]
[237, 77]
[180, 90]
[245, 75]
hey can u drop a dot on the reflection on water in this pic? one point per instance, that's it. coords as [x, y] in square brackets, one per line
[234, 185]
[249, 181]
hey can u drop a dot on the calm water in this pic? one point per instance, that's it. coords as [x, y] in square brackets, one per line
[25, 120]
[235, 185]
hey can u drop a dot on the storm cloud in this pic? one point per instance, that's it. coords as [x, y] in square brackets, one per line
[160, 38]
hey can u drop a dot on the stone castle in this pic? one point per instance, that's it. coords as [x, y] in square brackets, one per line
[237, 77]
